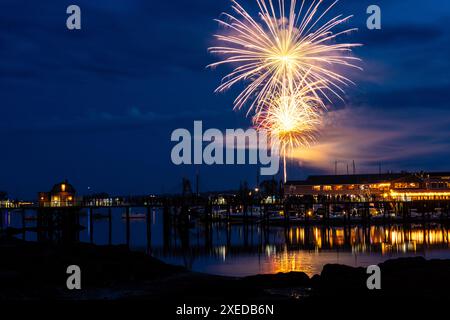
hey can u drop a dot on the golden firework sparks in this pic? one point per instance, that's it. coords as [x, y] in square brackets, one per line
[292, 117]
[288, 45]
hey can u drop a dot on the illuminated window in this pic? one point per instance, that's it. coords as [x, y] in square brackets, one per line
[401, 185]
[338, 188]
[326, 188]
[63, 187]
[316, 188]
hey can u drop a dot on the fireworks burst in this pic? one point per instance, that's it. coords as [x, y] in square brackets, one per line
[292, 118]
[287, 46]
[289, 62]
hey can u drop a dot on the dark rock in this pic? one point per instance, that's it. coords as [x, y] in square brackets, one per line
[280, 280]
[38, 271]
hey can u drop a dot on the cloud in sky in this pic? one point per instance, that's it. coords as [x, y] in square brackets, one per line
[371, 137]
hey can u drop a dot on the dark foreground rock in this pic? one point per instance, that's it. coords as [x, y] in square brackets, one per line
[36, 271]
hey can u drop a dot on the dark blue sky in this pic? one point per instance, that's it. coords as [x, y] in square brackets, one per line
[97, 106]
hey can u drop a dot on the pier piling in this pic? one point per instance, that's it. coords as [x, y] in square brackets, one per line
[91, 225]
[110, 226]
[127, 217]
[148, 220]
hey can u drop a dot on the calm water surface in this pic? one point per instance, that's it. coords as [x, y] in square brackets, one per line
[238, 250]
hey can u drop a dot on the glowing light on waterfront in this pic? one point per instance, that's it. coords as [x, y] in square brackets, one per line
[420, 194]
[289, 45]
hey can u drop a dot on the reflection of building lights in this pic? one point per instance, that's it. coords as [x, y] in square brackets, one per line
[385, 240]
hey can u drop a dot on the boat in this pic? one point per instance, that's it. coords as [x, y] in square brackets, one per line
[251, 214]
[336, 215]
[275, 216]
[219, 214]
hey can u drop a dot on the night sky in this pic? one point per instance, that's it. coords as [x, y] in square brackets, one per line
[97, 106]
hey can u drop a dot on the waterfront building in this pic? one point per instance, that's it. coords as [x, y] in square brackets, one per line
[61, 195]
[374, 187]
[6, 203]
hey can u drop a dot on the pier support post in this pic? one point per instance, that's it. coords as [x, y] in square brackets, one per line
[286, 213]
[245, 227]
[207, 236]
[22, 215]
[76, 221]
[447, 210]
[245, 213]
[266, 214]
[208, 213]
[366, 212]
[91, 224]
[423, 206]
[127, 217]
[110, 226]
[149, 229]
[39, 224]
[228, 235]
[326, 212]
[166, 228]
[24, 225]
[50, 223]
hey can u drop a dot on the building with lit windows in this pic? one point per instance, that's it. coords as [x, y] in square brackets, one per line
[62, 195]
[374, 187]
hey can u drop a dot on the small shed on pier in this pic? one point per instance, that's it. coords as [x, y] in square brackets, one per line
[61, 195]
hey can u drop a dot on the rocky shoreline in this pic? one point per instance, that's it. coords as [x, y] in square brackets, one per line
[37, 271]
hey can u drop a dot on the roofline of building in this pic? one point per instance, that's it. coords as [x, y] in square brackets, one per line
[391, 176]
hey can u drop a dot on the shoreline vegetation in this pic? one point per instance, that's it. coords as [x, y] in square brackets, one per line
[32, 271]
